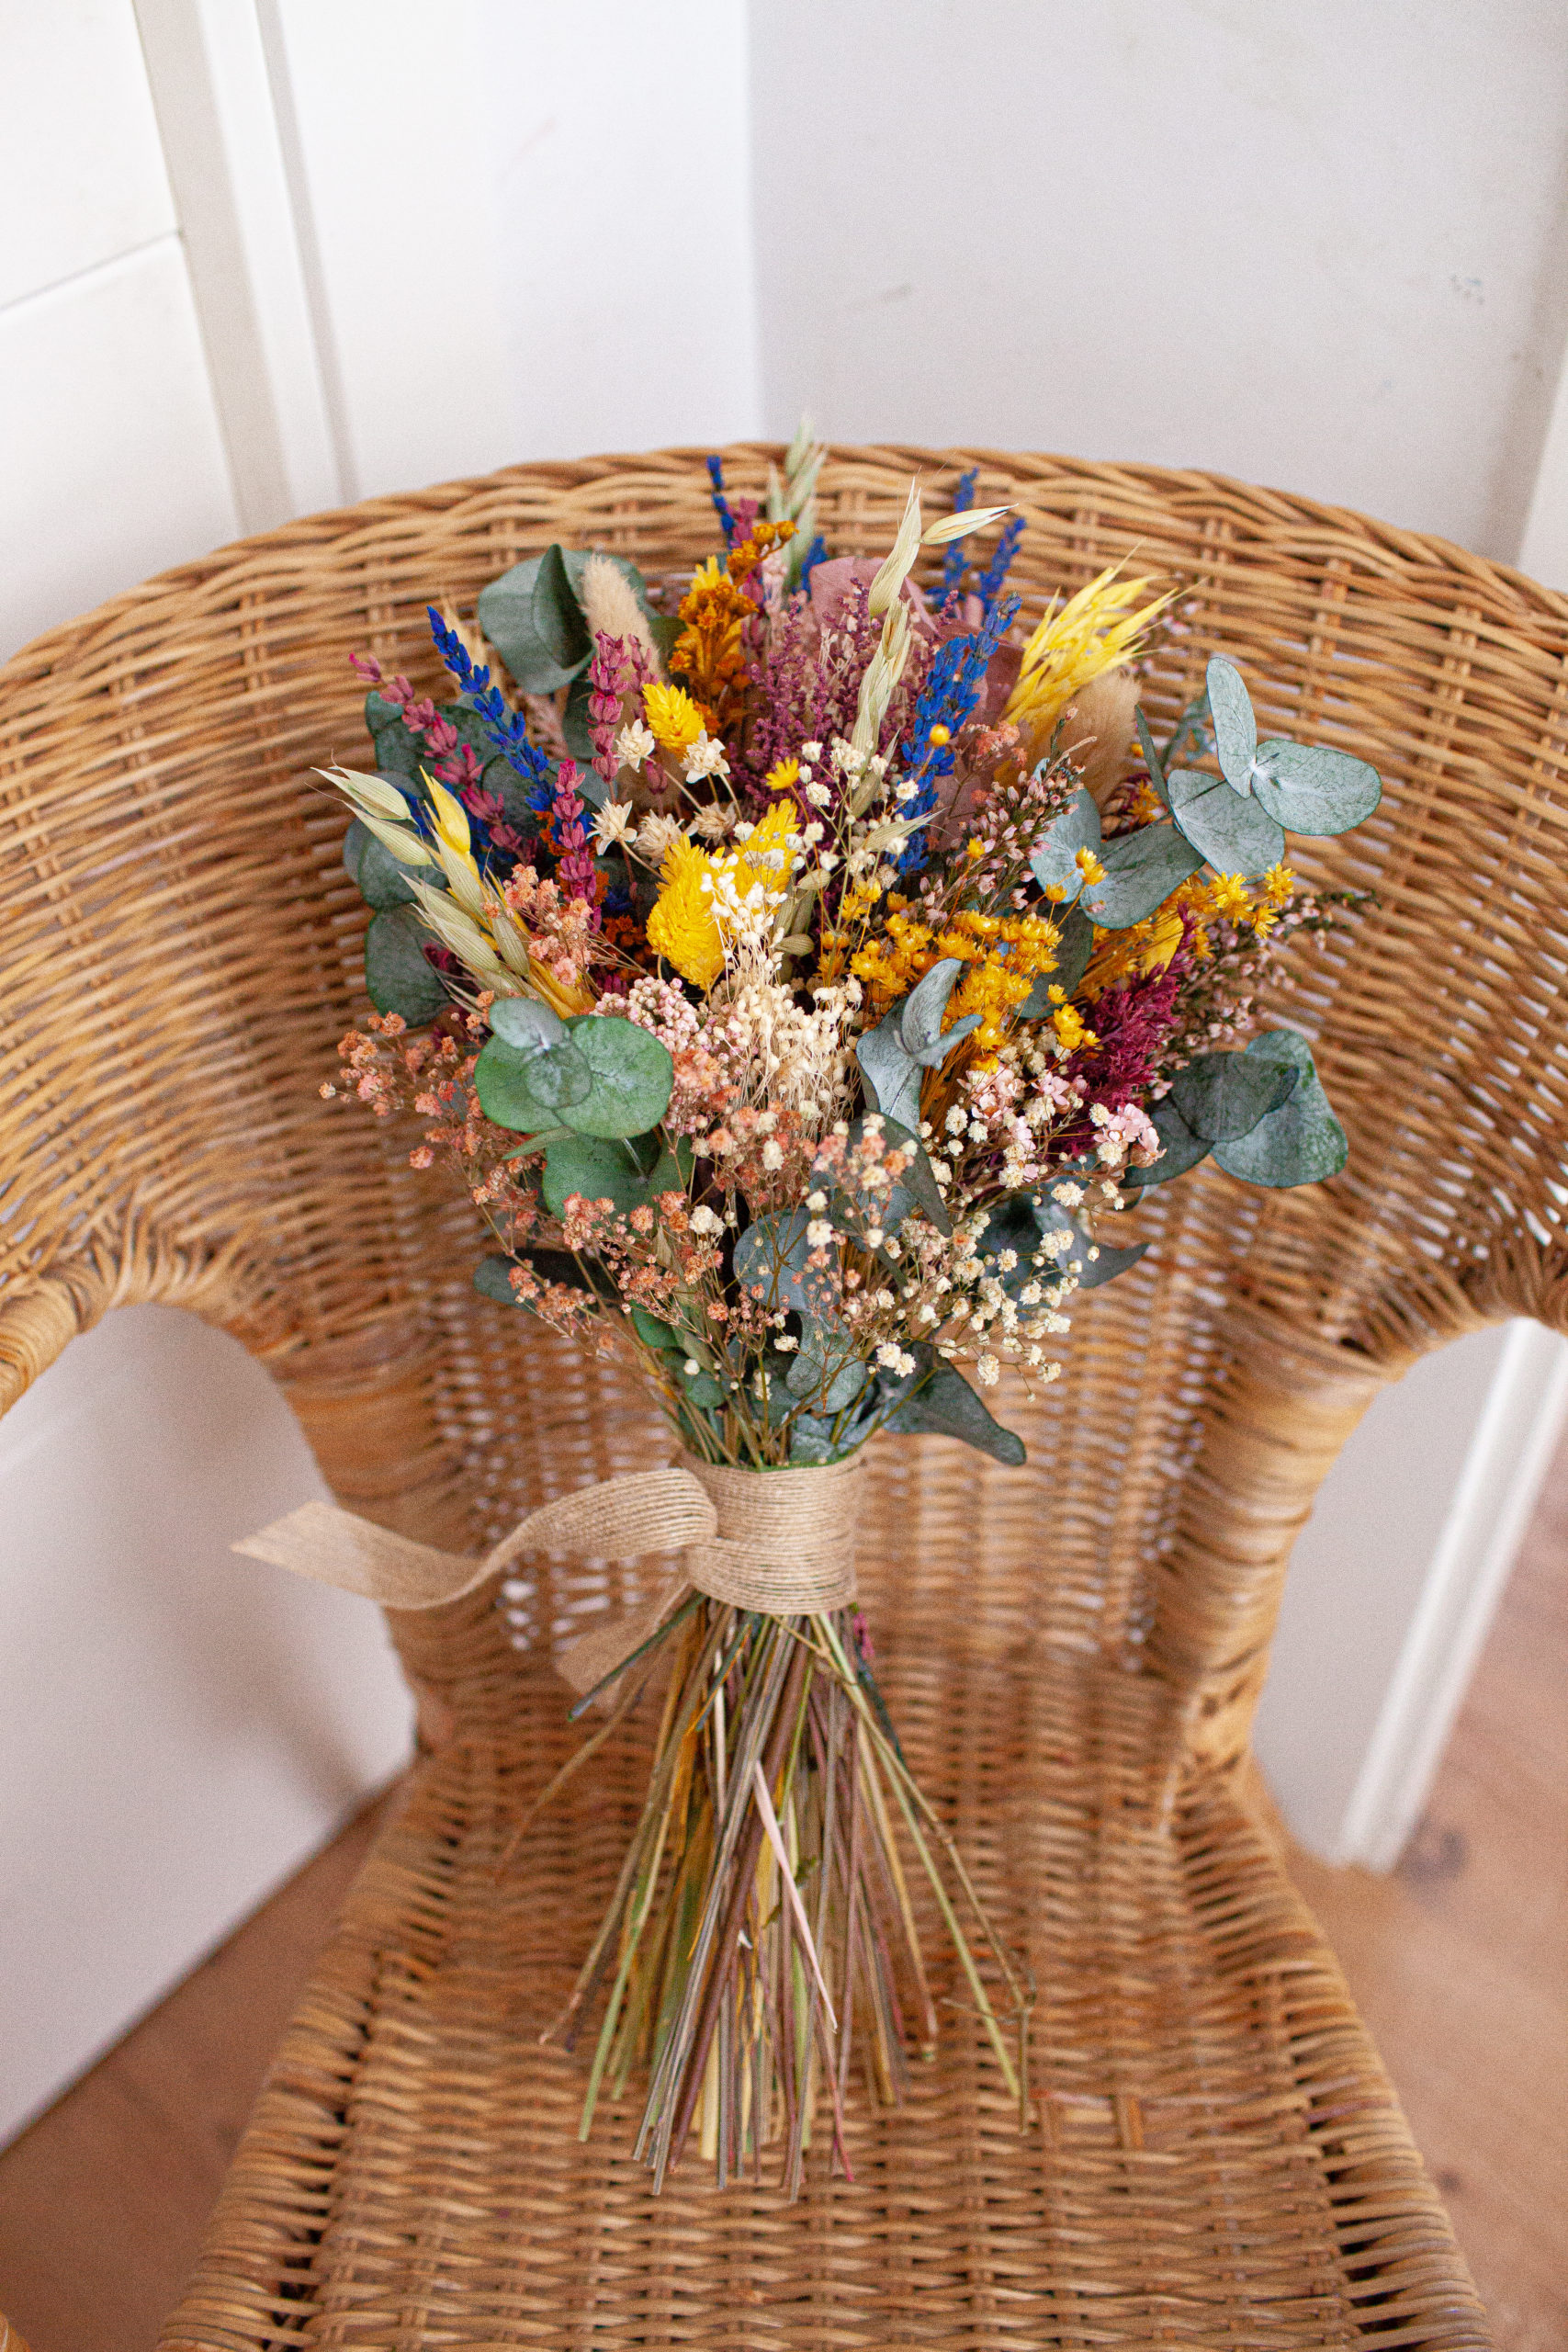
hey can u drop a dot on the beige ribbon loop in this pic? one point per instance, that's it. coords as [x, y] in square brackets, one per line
[780, 1542]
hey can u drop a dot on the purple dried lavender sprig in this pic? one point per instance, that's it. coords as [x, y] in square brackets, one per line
[504, 727]
[575, 869]
[619, 664]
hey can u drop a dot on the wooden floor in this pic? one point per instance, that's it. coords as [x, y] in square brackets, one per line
[1460, 1963]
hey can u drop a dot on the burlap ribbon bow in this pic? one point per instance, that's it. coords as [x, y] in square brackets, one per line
[777, 1540]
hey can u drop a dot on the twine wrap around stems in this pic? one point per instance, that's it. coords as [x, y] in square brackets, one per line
[777, 1542]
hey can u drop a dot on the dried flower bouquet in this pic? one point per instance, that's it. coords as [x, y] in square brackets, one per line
[792, 962]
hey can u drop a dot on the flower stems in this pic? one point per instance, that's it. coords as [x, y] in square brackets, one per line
[761, 1935]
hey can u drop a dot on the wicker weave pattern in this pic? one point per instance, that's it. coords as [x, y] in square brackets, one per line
[1218, 2158]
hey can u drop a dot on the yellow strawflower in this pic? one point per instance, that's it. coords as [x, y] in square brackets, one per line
[1092, 633]
[672, 715]
[687, 925]
[780, 778]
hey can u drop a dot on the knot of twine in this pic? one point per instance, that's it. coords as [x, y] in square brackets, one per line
[779, 1542]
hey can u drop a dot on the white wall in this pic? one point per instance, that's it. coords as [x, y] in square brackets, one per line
[113, 464]
[1321, 247]
[532, 226]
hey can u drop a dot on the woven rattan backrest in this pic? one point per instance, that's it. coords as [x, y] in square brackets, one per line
[180, 953]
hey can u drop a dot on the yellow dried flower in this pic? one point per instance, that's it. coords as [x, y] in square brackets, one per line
[672, 715]
[686, 926]
[780, 778]
[1093, 632]
[1228, 896]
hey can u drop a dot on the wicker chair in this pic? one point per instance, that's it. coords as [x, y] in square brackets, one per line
[1074, 1651]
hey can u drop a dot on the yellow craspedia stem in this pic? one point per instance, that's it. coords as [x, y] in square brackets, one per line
[1092, 633]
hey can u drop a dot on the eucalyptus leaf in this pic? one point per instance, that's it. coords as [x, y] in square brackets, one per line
[524, 1021]
[666, 631]
[1023, 1223]
[503, 1079]
[506, 615]
[397, 754]
[672, 1171]
[920, 1015]
[380, 880]
[1235, 835]
[1193, 726]
[1142, 869]
[909, 1040]
[1152, 760]
[1223, 1096]
[398, 974]
[555, 615]
[1054, 862]
[490, 1275]
[1314, 790]
[654, 1332]
[770, 1261]
[597, 1168]
[824, 1371]
[632, 1075]
[1236, 730]
[1182, 1149]
[937, 1401]
[1104, 1261]
[523, 638]
[918, 1182]
[1075, 946]
[1302, 1141]
[700, 1387]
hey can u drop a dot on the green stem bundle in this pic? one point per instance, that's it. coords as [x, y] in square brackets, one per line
[761, 1937]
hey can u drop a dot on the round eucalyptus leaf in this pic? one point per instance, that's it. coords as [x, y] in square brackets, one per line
[1234, 836]
[1302, 1141]
[1142, 869]
[1054, 862]
[770, 1261]
[1311, 789]
[398, 974]
[632, 1074]
[1181, 1150]
[560, 1075]
[597, 1169]
[503, 1076]
[654, 1332]
[1223, 1096]
[1236, 730]
[1075, 946]
[492, 1278]
[524, 1021]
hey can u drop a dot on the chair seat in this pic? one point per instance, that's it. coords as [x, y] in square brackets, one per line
[1213, 2157]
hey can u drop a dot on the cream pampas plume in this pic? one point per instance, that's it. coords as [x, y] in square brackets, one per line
[611, 609]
